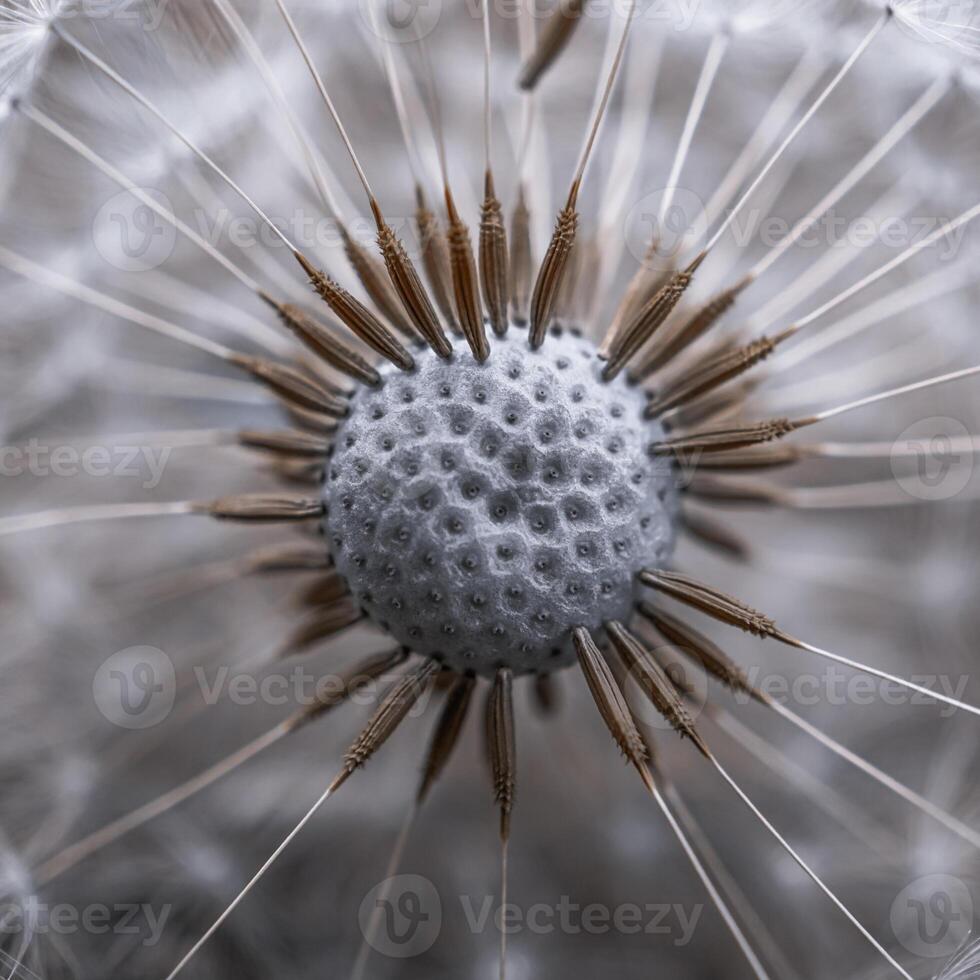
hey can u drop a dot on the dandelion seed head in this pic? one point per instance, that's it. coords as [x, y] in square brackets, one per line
[952, 23]
[25, 27]
[479, 512]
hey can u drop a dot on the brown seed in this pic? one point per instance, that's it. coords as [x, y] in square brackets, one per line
[326, 623]
[646, 282]
[290, 442]
[263, 507]
[655, 683]
[325, 591]
[521, 259]
[493, 258]
[547, 286]
[319, 339]
[751, 492]
[466, 289]
[348, 684]
[716, 604]
[291, 557]
[395, 706]
[723, 403]
[674, 341]
[724, 437]
[435, 259]
[711, 376]
[715, 535]
[503, 746]
[292, 385]
[609, 699]
[446, 735]
[409, 286]
[357, 317]
[650, 318]
[764, 457]
[377, 285]
[546, 694]
[555, 35]
[689, 641]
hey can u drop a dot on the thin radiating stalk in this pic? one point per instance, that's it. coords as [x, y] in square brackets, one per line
[396, 705]
[401, 271]
[615, 712]
[547, 286]
[734, 612]
[800, 126]
[493, 232]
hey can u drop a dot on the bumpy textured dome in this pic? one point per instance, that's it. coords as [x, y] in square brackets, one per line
[481, 511]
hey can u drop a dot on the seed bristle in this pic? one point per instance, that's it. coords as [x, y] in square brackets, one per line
[409, 286]
[609, 699]
[547, 286]
[446, 735]
[396, 705]
[292, 385]
[376, 284]
[259, 507]
[493, 258]
[466, 287]
[349, 682]
[655, 683]
[357, 317]
[650, 318]
[711, 601]
[435, 259]
[674, 341]
[501, 739]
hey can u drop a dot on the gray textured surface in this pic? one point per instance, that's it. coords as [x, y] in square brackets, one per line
[479, 512]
